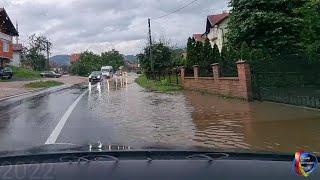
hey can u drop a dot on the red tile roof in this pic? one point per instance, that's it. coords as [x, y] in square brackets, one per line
[198, 37]
[217, 18]
[74, 57]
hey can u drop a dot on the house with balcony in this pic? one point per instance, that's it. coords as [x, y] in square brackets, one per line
[7, 32]
[216, 29]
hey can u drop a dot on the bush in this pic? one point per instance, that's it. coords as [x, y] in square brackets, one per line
[164, 82]
[25, 73]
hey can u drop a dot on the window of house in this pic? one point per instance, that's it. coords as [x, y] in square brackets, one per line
[5, 47]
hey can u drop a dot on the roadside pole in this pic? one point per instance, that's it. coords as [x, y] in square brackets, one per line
[150, 43]
[48, 63]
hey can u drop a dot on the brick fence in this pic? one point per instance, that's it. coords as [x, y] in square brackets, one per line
[239, 87]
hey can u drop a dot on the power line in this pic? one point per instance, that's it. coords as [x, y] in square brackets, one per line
[175, 10]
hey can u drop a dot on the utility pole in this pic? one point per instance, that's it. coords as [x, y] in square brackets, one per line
[150, 42]
[48, 65]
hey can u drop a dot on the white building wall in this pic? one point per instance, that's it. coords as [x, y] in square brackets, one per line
[218, 32]
[16, 60]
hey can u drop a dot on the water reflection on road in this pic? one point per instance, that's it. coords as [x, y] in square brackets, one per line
[231, 123]
[192, 118]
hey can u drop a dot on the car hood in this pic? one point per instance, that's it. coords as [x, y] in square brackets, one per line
[99, 147]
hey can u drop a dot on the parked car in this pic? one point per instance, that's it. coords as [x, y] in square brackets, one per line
[50, 74]
[95, 76]
[6, 72]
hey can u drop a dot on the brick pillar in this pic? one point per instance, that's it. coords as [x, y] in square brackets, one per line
[216, 70]
[182, 72]
[196, 71]
[244, 74]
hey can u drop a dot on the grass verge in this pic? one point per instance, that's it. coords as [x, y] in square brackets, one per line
[161, 86]
[43, 84]
[25, 73]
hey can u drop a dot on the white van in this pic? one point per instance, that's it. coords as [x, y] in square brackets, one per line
[107, 71]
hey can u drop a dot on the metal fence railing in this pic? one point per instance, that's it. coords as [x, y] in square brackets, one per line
[172, 76]
[301, 89]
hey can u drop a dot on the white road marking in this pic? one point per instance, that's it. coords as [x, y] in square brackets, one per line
[55, 133]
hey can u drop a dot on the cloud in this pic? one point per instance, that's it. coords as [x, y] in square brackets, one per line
[100, 25]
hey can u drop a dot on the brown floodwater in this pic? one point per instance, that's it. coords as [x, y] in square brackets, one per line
[232, 123]
[196, 119]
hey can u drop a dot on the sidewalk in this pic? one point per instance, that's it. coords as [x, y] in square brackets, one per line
[17, 87]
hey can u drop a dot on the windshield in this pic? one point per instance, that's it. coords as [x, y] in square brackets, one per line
[96, 73]
[105, 70]
[222, 75]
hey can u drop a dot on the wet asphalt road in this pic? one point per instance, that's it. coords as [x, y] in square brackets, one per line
[112, 113]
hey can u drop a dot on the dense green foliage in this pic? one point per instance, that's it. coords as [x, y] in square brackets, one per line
[274, 26]
[34, 55]
[90, 61]
[43, 84]
[25, 73]
[161, 54]
[202, 54]
[191, 55]
[311, 29]
[176, 56]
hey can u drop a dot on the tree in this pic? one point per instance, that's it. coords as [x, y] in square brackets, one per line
[274, 25]
[176, 56]
[206, 58]
[245, 52]
[90, 61]
[34, 53]
[112, 58]
[87, 63]
[191, 56]
[198, 52]
[161, 55]
[311, 29]
[216, 56]
[224, 54]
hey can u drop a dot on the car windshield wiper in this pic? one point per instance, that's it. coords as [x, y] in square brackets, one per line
[88, 158]
[209, 156]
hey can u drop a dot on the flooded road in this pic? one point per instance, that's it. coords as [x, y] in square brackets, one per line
[121, 112]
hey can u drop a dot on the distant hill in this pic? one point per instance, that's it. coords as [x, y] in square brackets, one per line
[130, 58]
[60, 59]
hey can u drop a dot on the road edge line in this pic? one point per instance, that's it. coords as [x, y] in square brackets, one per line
[57, 130]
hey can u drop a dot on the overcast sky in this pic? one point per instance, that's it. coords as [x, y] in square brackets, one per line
[100, 25]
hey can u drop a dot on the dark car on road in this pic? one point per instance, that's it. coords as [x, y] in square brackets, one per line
[6, 72]
[50, 74]
[95, 76]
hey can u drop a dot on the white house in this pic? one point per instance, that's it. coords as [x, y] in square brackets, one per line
[216, 28]
[16, 59]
